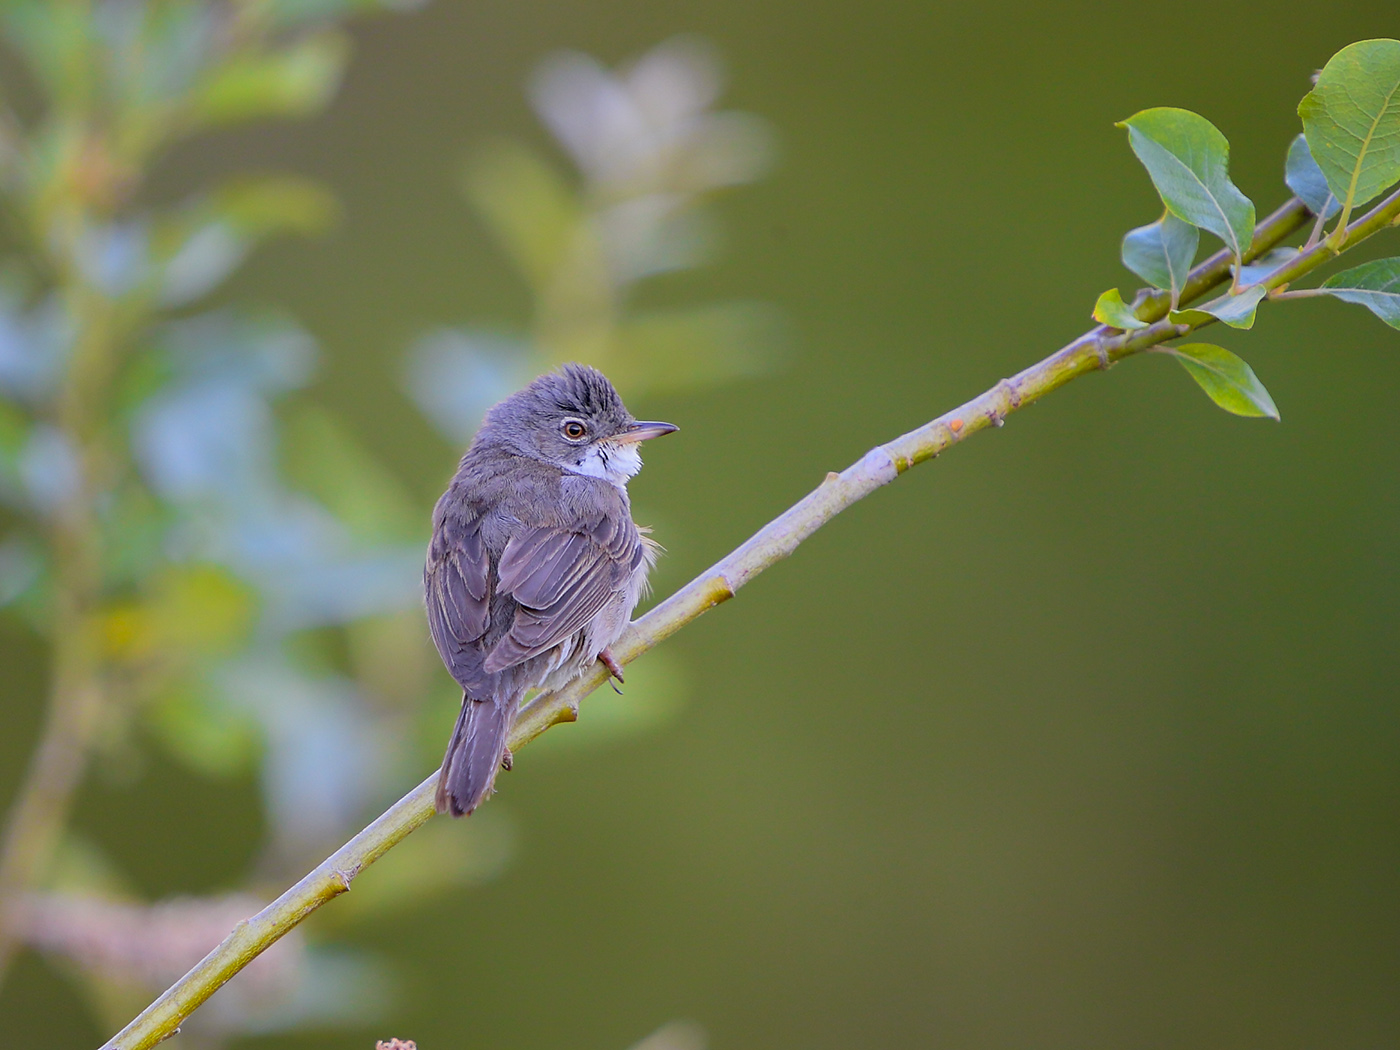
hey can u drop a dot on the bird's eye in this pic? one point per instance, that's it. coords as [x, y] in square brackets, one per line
[573, 430]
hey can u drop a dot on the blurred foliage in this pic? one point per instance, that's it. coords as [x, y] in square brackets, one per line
[648, 153]
[257, 581]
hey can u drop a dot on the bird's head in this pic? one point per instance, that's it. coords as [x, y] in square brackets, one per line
[573, 419]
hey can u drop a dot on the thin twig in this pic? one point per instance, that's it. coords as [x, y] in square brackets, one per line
[1316, 234]
[770, 544]
[76, 694]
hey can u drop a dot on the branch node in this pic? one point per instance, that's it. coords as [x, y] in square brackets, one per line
[1101, 348]
[831, 476]
[1009, 388]
[722, 590]
[885, 463]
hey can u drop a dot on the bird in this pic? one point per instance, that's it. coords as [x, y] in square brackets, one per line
[535, 564]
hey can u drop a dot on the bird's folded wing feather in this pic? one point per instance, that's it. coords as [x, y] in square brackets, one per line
[455, 582]
[560, 579]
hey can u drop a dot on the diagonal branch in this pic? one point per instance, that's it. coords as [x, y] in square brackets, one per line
[1094, 350]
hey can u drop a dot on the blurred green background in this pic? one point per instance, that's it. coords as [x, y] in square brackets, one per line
[1083, 736]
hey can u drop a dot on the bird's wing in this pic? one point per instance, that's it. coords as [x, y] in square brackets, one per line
[560, 579]
[455, 582]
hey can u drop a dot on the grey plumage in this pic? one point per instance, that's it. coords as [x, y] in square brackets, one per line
[535, 563]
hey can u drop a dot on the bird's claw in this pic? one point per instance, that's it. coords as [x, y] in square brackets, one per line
[507, 759]
[607, 659]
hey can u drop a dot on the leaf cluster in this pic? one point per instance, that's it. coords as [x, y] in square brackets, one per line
[1347, 155]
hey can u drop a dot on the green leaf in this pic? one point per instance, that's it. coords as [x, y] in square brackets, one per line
[1256, 271]
[534, 213]
[60, 41]
[14, 435]
[14, 430]
[671, 350]
[323, 457]
[284, 13]
[1114, 312]
[1189, 159]
[190, 612]
[295, 81]
[1352, 121]
[1162, 253]
[1226, 379]
[261, 205]
[201, 730]
[1237, 311]
[1305, 179]
[1374, 285]
[204, 242]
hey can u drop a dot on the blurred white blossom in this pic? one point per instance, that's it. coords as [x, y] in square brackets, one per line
[648, 128]
[133, 951]
[152, 945]
[648, 146]
[675, 1035]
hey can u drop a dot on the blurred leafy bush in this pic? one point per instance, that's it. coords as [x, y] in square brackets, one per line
[210, 553]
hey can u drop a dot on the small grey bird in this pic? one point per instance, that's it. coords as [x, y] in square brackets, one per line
[535, 563]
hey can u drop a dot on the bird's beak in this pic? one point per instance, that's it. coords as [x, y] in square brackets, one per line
[643, 431]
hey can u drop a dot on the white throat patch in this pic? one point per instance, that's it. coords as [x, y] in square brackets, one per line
[609, 461]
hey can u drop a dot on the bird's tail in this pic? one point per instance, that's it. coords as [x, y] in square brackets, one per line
[473, 755]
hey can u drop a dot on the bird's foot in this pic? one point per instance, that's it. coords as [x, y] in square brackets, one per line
[607, 659]
[506, 759]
